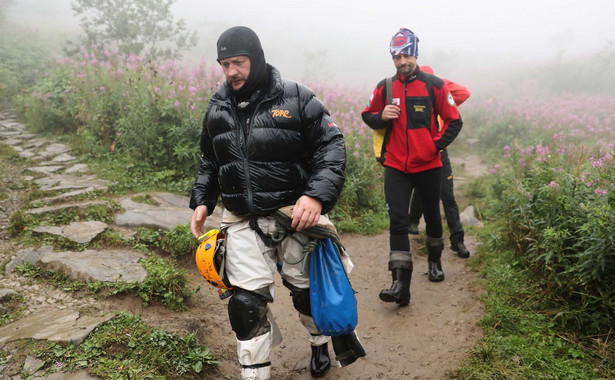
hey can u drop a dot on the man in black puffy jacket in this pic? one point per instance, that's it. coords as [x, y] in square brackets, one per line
[267, 143]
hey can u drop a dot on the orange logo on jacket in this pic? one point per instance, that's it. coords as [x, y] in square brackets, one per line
[280, 113]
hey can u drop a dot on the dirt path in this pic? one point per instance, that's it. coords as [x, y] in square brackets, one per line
[426, 340]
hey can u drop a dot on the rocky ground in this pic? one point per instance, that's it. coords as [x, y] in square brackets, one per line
[427, 340]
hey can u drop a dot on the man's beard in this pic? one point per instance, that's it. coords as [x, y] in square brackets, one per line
[406, 70]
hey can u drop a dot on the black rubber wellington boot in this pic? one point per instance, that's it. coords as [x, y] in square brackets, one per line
[400, 289]
[320, 363]
[434, 246]
[347, 348]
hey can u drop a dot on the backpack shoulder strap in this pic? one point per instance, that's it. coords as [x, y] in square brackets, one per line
[432, 96]
[389, 89]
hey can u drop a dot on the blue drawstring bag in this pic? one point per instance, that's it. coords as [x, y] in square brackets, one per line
[332, 299]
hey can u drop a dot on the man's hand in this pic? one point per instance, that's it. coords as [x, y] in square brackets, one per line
[306, 213]
[198, 220]
[390, 112]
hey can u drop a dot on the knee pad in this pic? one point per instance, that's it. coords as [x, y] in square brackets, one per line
[301, 298]
[248, 314]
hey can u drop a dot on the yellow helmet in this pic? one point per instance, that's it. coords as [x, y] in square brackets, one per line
[210, 259]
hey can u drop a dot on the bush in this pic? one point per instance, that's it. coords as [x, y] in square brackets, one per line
[560, 219]
[179, 242]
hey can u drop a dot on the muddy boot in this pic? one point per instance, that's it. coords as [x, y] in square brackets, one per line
[400, 289]
[435, 246]
[400, 265]
[347, 348]
[320, 362]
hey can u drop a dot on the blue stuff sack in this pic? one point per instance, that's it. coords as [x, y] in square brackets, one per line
[332, 299]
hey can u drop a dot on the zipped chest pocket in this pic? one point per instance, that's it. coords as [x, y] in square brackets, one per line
[418, 111]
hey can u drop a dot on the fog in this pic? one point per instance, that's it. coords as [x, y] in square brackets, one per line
[347, 41]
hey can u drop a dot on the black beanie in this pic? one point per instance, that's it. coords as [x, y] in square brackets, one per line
[241, 40]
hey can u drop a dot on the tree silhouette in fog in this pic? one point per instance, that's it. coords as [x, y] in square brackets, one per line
[139, 27]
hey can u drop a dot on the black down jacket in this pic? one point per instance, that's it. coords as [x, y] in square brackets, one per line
[292, 148]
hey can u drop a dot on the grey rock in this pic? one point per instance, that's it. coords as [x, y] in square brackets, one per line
[140, 214]
[46, 169]
[97, 265]
[61, 326]
[11, 142]
[80, 232]
[69, 182]
[171, 210]
[80, 375]
[64, 197]
[54, 149]
[32, 364]
[57, 208]
[6, 294]
[26, 154]
[36, 143]
[77, 168]
[28, 256]
[468, 219]
[64, 157]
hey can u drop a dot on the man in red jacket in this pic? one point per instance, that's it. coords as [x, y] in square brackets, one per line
[413, 143]
[451, 209]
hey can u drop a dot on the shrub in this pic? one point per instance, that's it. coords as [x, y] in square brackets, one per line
[560, 219]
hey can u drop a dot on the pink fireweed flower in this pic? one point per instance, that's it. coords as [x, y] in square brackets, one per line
[600, 191]
[597, 163]
[554, 185]
[506, 150]
[355, 153]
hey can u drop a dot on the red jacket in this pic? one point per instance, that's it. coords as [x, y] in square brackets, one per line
[460, 93]
[414, 142]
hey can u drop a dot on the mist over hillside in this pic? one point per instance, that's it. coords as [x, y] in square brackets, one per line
[489, 47]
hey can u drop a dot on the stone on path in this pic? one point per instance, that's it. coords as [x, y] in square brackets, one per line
[28, 256]
[89, 265]
[54, 149]
[80, 375]
[468, 219]
[72, 206]
[61, 326]
[97, 265]
[6, 294]
[46, 169]
[165, 216]
[68, 182]
[65, 197]
[80, 232]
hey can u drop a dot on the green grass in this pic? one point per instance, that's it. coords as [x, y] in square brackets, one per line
[521, 340]
[126, 348]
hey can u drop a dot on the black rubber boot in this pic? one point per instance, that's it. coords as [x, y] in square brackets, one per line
[320, 363]
[434, 246]
[400, 289]
[347, 348]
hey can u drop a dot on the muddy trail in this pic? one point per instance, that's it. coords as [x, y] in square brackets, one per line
[428, 339]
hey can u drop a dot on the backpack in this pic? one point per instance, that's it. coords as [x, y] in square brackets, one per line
[381, 136]
[332, 300]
